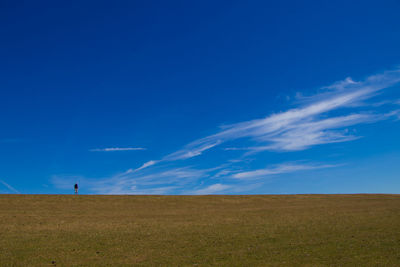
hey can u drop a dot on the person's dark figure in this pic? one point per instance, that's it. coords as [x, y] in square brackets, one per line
[76, 189]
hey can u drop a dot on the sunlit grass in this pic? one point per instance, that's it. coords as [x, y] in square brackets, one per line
[310, 230]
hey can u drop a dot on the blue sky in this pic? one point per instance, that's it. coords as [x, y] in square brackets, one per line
[200, 97]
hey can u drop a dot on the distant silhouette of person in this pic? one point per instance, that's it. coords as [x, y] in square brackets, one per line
[76, 189]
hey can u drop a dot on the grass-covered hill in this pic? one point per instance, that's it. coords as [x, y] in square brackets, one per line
[261, 230]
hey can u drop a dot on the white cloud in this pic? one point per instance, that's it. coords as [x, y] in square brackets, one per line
[212, 189]
[394, 113]
[112, 149]
[9, 187]
[279, 169]
[132, 182]
[302, 135]
[135, 191]
[303, 127]
[326, 117]
[236, 148]
[145, 165]
[192, 150]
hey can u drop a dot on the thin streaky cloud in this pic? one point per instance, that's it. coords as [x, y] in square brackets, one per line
[324, 118]
[135, 191]
[279, 169]
[236, 148]
[382, 103]
[113, 149]
[145, 165]
[211, 190]
[181, 154]
[303, 127]
[192, 150]
[131, 182]
[394, 114]
[10, 187]
[179, 180]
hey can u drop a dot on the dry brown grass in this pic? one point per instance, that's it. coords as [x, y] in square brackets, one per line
[296, 230]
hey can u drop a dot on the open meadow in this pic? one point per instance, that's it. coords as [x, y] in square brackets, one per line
[259, 230]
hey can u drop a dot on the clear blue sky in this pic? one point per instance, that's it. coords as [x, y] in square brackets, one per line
[200, 97]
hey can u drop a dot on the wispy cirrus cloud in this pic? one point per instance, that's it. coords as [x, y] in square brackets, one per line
[12, 189]
[394, 113]
[212, 189]
[279, 169]
[145, 165]
[113, 149]
[181, 180]
[170, 180]
[303, 127]
[192, 150]
[322, 118]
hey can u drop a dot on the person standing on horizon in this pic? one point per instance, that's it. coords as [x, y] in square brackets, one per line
[76, 189]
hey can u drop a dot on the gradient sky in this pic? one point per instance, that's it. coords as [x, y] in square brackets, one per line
[200, 97]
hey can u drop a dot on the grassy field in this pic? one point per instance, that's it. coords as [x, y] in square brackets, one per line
[295, 230]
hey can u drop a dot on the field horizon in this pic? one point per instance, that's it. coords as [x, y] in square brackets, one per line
[206, 230]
